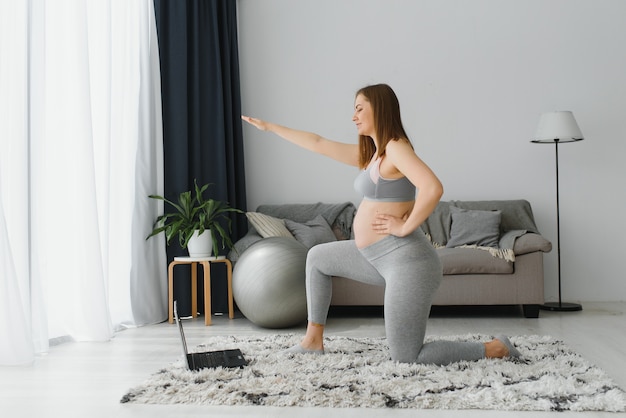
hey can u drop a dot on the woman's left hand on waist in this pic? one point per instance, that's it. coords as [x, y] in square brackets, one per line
[385, 224]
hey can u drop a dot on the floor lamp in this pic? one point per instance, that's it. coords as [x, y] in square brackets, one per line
[558, 128]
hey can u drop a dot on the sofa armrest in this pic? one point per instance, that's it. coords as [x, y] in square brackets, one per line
[531, 242]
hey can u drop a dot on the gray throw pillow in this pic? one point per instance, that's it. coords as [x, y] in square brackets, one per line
[474, 227]
[313, 232]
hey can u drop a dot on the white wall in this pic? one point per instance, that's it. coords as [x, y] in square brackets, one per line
[472, 78]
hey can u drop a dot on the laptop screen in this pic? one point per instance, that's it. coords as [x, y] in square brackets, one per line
[182, 333]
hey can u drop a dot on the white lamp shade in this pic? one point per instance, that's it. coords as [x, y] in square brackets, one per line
[557, 126]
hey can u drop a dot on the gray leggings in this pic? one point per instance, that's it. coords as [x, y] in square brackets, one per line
[410, 270]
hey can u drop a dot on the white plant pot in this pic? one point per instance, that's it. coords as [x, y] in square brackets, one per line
[200, 245]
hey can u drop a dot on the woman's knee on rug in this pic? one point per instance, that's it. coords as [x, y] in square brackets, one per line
[405, 324]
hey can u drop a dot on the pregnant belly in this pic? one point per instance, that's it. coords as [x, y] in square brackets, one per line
[364, 235]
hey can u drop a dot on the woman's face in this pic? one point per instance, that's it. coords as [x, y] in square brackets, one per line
[363, 116]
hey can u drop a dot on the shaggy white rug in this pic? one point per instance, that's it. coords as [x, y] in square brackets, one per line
[357, 372]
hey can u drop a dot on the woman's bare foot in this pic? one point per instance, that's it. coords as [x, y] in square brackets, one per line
[312, 344]
[298, 349]
[500, 347]
[496, 349]
[313, 341]
[314, 337]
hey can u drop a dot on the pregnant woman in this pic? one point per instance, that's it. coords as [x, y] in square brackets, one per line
[399, 192]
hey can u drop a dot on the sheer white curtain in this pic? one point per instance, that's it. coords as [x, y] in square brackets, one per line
[80, 150]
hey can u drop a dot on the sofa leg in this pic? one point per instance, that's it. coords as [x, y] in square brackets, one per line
[531, 311]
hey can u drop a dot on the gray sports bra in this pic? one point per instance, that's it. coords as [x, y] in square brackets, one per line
[374, 187]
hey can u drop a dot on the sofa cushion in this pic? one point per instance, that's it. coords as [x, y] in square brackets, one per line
[474, 227]
[268, 226]
[313, 232]
[516, 214]
[472, 261]
[338, 215]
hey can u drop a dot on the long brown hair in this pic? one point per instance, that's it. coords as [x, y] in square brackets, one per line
[386, 110]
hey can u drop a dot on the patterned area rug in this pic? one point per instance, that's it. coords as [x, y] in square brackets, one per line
[357, 372]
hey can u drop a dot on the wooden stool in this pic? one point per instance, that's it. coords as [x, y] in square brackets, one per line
[206, 267]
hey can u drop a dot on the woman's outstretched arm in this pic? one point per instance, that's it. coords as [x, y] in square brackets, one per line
[342, 152]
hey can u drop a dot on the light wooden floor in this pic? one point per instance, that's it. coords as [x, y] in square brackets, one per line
[88, 379]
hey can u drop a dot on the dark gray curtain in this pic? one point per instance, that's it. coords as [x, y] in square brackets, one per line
[201, 118]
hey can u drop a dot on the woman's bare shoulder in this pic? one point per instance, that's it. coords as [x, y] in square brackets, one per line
[399, 146]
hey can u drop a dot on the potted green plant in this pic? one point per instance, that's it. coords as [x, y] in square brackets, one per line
[195, 216]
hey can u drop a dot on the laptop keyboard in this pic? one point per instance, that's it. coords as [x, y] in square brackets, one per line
[201, 360]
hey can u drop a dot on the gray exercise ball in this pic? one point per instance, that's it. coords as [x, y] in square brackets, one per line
[268, 282]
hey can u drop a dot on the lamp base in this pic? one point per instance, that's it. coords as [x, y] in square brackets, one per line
[561, 306]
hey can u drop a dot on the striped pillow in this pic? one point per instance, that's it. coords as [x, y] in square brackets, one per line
[268, 226]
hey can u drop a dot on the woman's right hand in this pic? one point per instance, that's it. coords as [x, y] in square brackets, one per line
[257, 123]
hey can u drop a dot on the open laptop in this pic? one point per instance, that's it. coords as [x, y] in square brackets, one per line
[197, 361]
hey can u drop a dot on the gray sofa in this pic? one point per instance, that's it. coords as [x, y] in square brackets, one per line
[491, 251]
